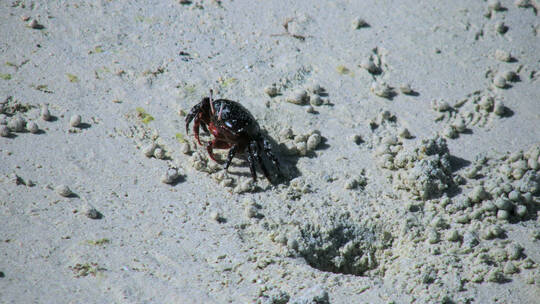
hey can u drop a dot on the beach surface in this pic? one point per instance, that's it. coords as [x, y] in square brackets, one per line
[407, 135]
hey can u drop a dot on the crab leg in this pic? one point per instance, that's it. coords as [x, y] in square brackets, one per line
[192, 114]
[218, 144]
[257, 152]
[230, 156]
[251, 161]
[210, 150]
[268, 151]
[196, 125]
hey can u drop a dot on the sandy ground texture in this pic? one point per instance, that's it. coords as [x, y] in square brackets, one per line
[407, 134]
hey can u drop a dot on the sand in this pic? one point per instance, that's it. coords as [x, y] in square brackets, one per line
[421, 186]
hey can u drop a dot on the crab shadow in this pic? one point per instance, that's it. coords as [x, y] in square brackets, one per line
[289, 161]
[507, 112]
[412, 93]
[457, 163]
[288, 169]
[84, 126]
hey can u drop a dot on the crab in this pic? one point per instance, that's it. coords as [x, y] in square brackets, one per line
[233, 128]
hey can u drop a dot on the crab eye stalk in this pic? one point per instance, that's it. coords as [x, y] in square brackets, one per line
[212, 102]
[220, 111]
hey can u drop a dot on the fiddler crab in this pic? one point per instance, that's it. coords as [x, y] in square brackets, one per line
[233, 127]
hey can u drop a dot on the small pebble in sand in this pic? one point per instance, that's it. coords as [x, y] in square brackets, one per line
[390, 140]
[433, 236]
[460, 125]
[406, 89]
[528, 263]
[15, 179]
[298, 97]
[506, 187]
[510, 268]
[515, 251]
[499, 108]
[286, 133]
[34, 24]
[500, 27]
[359, 23]
[301, 147]
[92, 213]
[486, 103]
[521, 210]
[63, 190]
[251, 211]
[271, 91]
[514, 196]
[246, 186]
[316, 100]
[75, 120]
[527, 197]
[350, 184]
[478, 194]
[489, 206]
[534, 164]
[313, 141]
[32, 127]
[315, 89]
[503, 56]
[170, 176]
[495, 275]
[450, 132]
[503, 215]
[453, 235]
[503, 204]
[441, 105]
[385, 116]
[310, 110]
[45, 114]
[497, 231]
[148, 150]
[369, 65]
[510, 75]
[494, 5]
[470, 240]
[357, 139]
[227, 182]
[523, 3]
[381, 89]
[186, 148]
[499, 81]
[281, 239]
[300, 138]
[404, 133]
[4, 131]
[216, 216]
[159, 153]
[16, 124]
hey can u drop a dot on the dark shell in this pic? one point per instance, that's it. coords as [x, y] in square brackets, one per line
[235, 117]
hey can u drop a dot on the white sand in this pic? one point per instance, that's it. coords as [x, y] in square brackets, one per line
[161, 243]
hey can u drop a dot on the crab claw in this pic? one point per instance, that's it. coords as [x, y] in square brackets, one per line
[189, 118]
[194, 114]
